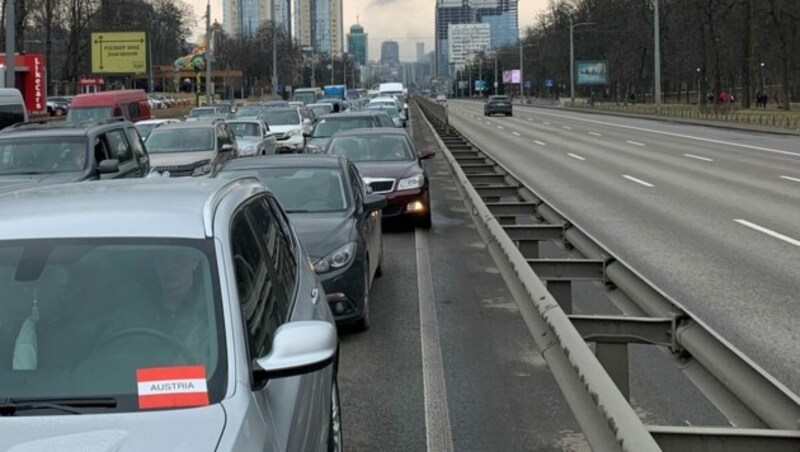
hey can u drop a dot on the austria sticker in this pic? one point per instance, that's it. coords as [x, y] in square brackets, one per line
[168, 387]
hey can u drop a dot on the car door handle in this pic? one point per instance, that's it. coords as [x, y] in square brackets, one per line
[315, 296]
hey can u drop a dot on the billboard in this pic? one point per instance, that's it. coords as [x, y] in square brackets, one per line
[119, 52]
[591, 72]
[480, 85]
[511, 76]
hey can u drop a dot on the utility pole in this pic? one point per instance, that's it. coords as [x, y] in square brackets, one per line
[150, 53]
[572, 61]
[657, 38]
[274, 50]
[344, 69]
[496, 83]
[521, 78]
[11, 21]
[209, 93]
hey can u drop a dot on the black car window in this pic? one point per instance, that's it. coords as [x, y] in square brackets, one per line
[356, 184]
[285, 259]
[118, 146]
[136, 143]
[254, 284]
[133, 110]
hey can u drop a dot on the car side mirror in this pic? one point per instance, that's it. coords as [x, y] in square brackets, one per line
[108, 166]
[227, 148]
[426, 154]
[306, 134]
[374, 202]
[298, 348]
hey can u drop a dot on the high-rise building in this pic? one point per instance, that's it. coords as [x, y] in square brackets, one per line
[283, 14]
[420, 52]
[318, 24]
[466, 40]
[390, 52]
[500, 15]
[357, 44]
[244, 16]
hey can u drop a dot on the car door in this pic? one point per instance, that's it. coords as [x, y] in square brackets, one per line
[139, 152]
[268, 140]
[369, 223]
[120, 149]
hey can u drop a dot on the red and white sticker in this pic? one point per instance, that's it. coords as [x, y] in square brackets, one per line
[168, 387]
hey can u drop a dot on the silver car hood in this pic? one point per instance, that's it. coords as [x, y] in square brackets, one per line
[189, 429]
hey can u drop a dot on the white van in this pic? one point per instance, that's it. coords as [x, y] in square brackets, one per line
[12, 107]
[390, 89]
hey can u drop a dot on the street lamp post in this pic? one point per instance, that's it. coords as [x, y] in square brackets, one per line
[496, 84]
[344, 68]
[699, 88]
[150, 54]
[657, 52]
[572, 27]
[209, 93]
[763, 82]
[521, 73]
[274, 51]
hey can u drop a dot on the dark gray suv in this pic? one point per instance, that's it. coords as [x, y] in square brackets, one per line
[47, 152]
[196, 148]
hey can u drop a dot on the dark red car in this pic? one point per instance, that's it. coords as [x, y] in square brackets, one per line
[390, 165]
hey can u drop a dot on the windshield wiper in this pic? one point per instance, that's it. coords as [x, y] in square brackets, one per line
[10, 406]
[297, 211]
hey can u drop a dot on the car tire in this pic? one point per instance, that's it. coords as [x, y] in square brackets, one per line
[364, 322]
[379, 270]
[335, 442]
[426, 221]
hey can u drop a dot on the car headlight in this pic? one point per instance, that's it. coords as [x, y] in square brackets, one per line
[313, 149]
[294, 133]
[411, 182]
[336, 259]
[247, 150]
[202, 168]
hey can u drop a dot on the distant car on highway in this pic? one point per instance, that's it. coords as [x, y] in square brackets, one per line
[441, 99]
[206, 113]
[497, 104]
[397, 120]
[57, 106]
[253, 137]
[196, 148]
[59, 152]
[320, 109]
[338, 223]
[288, 126]
[390, 165]
[187, 303]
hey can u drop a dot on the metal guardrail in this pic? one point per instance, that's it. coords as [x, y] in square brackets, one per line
[762, 412]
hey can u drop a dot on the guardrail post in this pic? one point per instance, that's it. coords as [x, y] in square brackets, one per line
[614, 358]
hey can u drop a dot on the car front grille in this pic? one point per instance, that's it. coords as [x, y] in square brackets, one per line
[176, 170]
[380, 185]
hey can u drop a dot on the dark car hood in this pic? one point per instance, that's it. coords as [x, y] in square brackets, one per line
[394, 170]
[322, 233]
[12, 181]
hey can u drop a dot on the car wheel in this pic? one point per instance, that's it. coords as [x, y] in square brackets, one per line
[364, 322]
[335, 443]
[425, 222]
[379, 270]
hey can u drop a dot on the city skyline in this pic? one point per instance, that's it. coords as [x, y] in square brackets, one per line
[380, 21]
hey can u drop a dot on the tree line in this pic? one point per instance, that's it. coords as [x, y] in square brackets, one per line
[707, 47]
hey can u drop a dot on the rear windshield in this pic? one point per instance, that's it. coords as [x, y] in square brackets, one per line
[280, 118]
[80, 114]
[375, 148]
[328, 126]
[180, 140]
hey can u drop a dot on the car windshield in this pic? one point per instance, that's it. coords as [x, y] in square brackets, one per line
[326, 127]
[301, 190]
[320, 110]
[305, 96]
[198, 112]
[245, 129]
[180, 140]
[248, 112]
[387, 108]
[145, 129]
[110, 318]
[43, 155]
[382, 148]
[280, 118]
[80, 114]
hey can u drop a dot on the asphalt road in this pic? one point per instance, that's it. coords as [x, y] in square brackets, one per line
[710, 216]
[448, 359]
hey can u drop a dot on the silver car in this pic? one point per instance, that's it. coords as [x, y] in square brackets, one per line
[178, 315]
[253, 137]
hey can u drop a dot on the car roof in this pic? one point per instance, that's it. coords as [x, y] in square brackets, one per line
[60, 128]
[203, 123]
[156, 207]
[349, 114]
[371, 131]
[282, 109]
[156, 121]
[299, 160]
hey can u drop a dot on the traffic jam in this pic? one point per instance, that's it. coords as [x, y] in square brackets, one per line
[195, 271]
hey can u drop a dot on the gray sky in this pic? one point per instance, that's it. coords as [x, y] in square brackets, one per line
[404, 21]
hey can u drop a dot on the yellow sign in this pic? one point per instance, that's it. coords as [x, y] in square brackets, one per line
[119, 52]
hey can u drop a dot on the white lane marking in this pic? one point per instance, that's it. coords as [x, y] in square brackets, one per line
[635, 143]
[697, 157]
[676, 135]
[545, 123]
[566, 127]
[595, 134]
[769, 232]
[638, 181]
[575, 156]
[500, 127]
[794, 179]
[516, 133]
[540, 143]
[437, 417]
